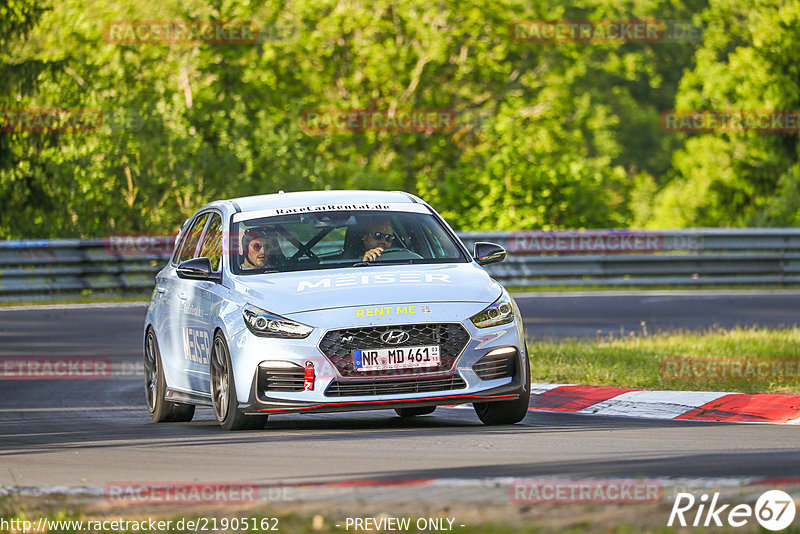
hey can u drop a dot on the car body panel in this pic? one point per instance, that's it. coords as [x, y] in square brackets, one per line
[296, 292]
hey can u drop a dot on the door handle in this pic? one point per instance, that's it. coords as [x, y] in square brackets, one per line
[161, 290]
[183, 295]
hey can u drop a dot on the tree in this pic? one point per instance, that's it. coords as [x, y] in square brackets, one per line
[748, 62]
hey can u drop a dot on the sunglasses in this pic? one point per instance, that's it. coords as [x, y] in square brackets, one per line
[380, 236]
[257, 246]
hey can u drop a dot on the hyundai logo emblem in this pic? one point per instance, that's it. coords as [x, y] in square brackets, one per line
[394, 337]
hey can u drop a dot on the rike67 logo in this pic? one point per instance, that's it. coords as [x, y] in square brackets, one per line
[774, 510]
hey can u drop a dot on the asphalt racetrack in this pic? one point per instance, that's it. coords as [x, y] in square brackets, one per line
[95, 432]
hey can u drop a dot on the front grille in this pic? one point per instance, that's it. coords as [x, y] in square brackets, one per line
[494, 367]
[281, 378]
[357, 388]
[338, 346]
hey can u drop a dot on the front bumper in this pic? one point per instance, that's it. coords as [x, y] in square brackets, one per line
[463, 386]
[335, 391]
[494, 395]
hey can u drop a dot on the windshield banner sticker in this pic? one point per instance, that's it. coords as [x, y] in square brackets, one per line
[274, 212]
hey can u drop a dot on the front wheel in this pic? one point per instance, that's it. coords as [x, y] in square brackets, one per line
[155, 387]
[223, 391]
[507, 412]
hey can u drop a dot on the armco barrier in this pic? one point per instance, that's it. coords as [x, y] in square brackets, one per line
[35, 269]
[634, 257]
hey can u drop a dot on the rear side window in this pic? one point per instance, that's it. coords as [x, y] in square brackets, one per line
[212, 242]
[192, 238]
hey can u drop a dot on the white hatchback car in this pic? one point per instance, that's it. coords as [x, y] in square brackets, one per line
[330, 301]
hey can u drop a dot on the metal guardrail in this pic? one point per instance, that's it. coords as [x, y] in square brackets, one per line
[40, 269]
[699, 256]
[37, 269]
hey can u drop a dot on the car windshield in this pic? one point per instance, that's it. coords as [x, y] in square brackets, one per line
[331, 239]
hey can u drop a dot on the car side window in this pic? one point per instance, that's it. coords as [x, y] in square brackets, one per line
[179, 240]
[212, 242]
[192, 238]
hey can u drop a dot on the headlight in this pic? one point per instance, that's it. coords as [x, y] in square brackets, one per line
[501, 312]
[265, 324]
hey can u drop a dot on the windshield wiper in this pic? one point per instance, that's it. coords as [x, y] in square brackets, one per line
[373, 263]
[260, 271]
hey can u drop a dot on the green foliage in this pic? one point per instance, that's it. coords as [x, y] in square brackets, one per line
[748, 61]
[548, 135]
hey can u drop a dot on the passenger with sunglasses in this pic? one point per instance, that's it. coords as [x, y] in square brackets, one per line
[257, 245]
[377, 236]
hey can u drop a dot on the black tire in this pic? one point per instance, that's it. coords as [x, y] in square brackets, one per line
[155, 387]
[507, 412]
[413, 412]
[223, 391]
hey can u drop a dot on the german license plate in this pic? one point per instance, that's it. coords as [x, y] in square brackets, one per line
[397, 358]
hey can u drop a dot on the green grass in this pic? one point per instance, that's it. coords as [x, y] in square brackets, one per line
[639, 362]
[100, 296]
[108, 296]
[77, 299]
[658, 287]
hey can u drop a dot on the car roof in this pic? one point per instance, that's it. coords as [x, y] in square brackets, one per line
[317, 198]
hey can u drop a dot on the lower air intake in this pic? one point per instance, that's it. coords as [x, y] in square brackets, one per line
[359, 388]
[286, 378]
[494, 367]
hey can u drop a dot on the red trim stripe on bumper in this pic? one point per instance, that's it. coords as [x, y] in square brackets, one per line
[357, 403]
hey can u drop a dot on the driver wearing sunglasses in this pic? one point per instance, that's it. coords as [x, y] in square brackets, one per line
[377, 237]
[257, 245]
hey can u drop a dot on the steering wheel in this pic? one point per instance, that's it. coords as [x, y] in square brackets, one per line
[398, 253]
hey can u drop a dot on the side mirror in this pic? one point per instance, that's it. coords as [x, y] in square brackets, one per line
[198, 269]
[486, 253]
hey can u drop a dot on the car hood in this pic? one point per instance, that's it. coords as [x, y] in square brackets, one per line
[295, 292]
